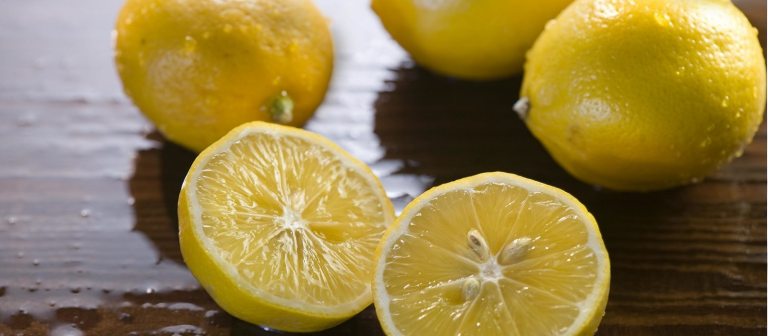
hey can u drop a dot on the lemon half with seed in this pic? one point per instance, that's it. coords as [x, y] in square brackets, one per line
[492, 254]
[280, 225]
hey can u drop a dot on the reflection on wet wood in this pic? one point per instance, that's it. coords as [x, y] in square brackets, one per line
[88, 191]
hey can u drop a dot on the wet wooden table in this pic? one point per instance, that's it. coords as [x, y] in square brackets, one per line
[88, 190]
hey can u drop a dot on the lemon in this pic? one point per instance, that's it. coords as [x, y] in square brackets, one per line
[644, 95]
[492, 254]
[471, 39]
[197, 69]
[280, 225]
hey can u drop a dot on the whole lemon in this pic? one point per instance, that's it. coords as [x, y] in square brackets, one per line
[470, 39]
[644, 95]
[199, 68]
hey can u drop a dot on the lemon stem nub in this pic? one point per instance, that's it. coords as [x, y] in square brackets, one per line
[281, 109]
[478, 245]
[470, 289]
[522, 106]
[515, 251]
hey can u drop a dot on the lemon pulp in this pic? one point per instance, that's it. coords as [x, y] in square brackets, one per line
[287, 220]
[494, 254]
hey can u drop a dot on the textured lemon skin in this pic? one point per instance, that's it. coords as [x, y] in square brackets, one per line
[597, 310]
[230, 294]
[645, 95]
[197, 69]
[470, 39]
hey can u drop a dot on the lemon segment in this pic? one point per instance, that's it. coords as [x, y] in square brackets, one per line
[492, 254]
[279, 225]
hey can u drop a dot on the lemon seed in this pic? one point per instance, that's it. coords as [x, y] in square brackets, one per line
[515, 250]
[470, 289]
[478, 245]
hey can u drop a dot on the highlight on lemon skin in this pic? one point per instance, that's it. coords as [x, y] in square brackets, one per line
[279, 225]
[492, 254]
[468, 39]
[645, 95]
[198, 69]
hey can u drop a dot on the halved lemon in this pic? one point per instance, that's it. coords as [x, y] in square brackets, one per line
[492, 254]
[280, 225]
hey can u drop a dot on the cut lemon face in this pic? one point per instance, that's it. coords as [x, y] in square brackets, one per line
[492, 254]
[280, 225]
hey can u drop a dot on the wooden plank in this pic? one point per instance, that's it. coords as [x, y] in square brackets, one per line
[88, 191]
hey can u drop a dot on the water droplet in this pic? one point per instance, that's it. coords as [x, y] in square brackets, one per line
[739, 152]
[36, 262]
[19, 255]
[662, 19]
[125, 317]
[26, 120]
[190, 44]
[85, 212]
[66, 330]
[11, 220]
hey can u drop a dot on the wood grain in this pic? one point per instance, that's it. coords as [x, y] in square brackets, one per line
[88, 190]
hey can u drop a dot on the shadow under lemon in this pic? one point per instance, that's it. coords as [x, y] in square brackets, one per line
[452, 128]
[155, 185]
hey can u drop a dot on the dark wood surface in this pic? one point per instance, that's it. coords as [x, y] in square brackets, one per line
[88, 190]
